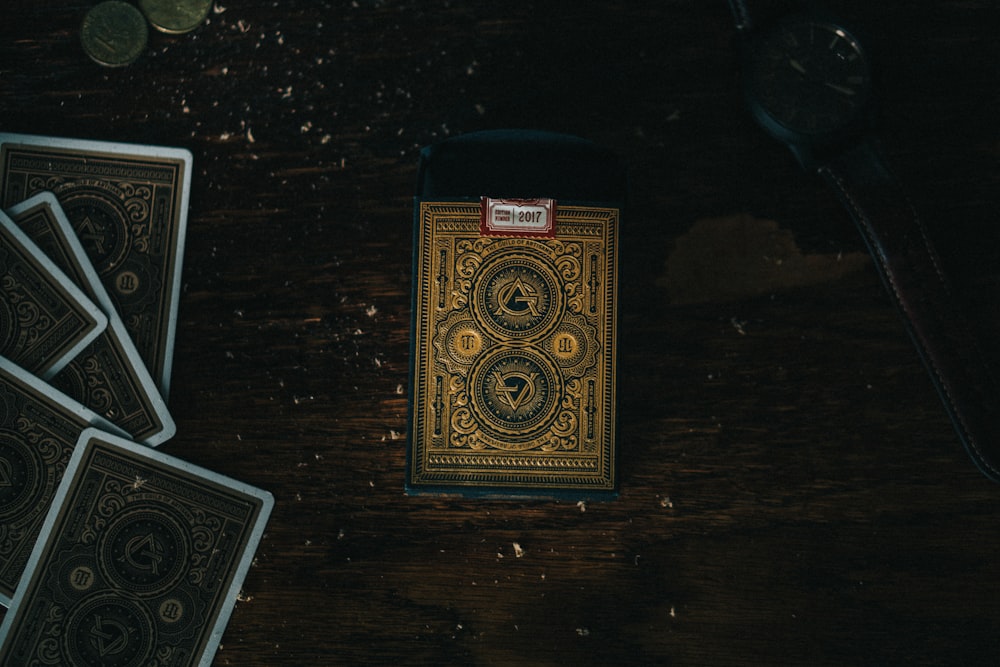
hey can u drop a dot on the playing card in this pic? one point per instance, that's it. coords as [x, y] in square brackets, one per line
[45, 320]
[512, 374]
[128, 205]
[38, 429]
[140, 562]
[108, 376]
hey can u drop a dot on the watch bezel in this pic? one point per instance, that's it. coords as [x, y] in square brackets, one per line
[859, 120]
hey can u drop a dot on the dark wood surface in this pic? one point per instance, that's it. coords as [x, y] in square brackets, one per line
[791, 489]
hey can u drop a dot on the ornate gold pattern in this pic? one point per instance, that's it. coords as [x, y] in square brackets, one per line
[514, 353]
[136, 565]
[127, 206]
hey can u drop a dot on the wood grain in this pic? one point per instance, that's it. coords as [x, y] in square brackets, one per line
[792, 492]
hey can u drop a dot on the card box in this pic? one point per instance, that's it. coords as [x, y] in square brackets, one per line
[512, 381]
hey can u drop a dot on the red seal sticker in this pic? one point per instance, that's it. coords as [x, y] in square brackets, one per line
[535, 218]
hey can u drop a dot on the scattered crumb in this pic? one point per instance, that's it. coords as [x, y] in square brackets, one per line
[518, 551]
[137, 484]
[370, 311]
[243, 597]
[582, 505]
[673, 612]
[583, 632]
[666, 502]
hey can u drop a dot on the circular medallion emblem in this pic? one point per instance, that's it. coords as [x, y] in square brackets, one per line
[111, 631]
[101, 223]
[516, 392]
[7, 328]
[568, 345]
[20, 482]
[134, 284]
[144, 551]
[464, 342]
[518, 297]
[175, 613]
[81, 578]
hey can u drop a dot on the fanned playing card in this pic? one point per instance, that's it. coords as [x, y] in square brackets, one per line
[128, 205]
[45, 320]
[38, 429]
[140, 562]
[108, 376]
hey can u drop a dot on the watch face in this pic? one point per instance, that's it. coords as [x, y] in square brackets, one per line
[808, 79]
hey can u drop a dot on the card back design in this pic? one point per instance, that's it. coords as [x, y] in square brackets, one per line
[128, 204]
[38, 430]
[140, 561]
[45, 320]
[513, 381]
[108, 376]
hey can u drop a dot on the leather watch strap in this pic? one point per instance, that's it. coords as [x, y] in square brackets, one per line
[763, 13]
[911, 270]
[741, 15]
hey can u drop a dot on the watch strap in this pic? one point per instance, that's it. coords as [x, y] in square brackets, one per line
[741, 15]
[910, 268]
[764, 13]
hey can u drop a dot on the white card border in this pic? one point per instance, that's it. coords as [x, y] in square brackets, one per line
[138, 150]
[82, 446]
[103, 299]
[67, 284]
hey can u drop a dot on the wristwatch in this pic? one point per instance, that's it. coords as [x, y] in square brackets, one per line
[808, 82]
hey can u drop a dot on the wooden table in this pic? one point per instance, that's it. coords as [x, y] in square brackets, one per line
[791, 489]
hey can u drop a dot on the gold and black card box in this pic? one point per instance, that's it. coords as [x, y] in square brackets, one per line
[512, 387]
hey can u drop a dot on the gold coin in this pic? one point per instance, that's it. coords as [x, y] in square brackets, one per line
[114, 33]
[175, 16]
